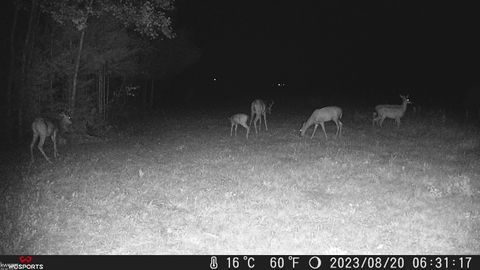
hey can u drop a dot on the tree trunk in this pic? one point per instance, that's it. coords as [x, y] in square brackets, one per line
[52, 75]
[151, 94]
[11, 73]
[107, 92]
[73, 95]
[123, 91]
[25, 53]
[75, 73]
[101, 90]
[33, 102]
[145, 91]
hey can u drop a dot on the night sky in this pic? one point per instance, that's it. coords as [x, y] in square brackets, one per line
[364, 48]
[427, 47]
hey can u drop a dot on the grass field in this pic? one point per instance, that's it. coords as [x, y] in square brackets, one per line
[179, 184]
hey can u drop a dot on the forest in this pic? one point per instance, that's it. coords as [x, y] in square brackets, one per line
[92, 59]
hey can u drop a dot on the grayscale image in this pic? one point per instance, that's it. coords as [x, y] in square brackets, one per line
[188, 127]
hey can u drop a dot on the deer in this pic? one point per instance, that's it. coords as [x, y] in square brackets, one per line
[259, 109]
[43, 128]
[239, 119]
[320, 116]
[390, 111]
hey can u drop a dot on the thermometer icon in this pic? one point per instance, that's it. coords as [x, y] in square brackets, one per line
[213, 262]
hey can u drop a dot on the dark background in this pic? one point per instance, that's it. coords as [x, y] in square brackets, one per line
[341, 52]
[358, 51]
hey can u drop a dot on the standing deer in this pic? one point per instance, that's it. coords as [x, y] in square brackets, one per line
[258, 110]
[43, 128]
[320, 116]
[390, 111]
[239, 119]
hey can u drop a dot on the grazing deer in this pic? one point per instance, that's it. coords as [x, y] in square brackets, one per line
[239, 119]
[259, 109]
[390, 111]
[44, 128]
[320, 116]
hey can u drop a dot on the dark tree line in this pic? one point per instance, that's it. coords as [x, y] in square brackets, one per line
[88, 58]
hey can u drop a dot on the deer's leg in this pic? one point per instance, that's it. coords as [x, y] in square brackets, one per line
[341, 126]
[247, 128]
[338, 127]
[231, 130]
[398, 122]
[236, 126]
[375, 121]
[34, 140]
[381, 121]
[255, 123]
[40, 147]
[259, 122]
[323, 128]
[314, 129]
[54, 140]
[265, 119]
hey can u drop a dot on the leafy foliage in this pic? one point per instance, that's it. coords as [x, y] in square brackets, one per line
[123, 46]
[149, 18]
[109, 43]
